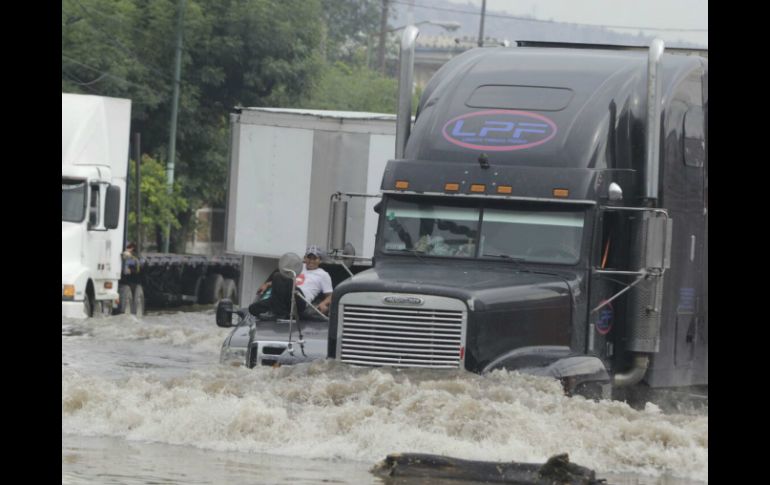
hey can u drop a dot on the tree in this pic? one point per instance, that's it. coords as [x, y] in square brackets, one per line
[349, 26]
[159, 208]
[236, 52]
[353, 88]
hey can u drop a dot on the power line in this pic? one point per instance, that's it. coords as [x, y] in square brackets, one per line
[527, 19]
[74, 79]
[78, 81]
[107, 74]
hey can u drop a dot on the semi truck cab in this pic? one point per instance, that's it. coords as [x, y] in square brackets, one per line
[546, 213]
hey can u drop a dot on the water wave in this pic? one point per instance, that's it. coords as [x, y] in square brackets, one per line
[332, 411]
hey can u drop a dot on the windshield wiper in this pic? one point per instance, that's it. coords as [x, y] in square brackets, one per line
[406, 250]
[505, 256]
[516, 260]
[415, 252]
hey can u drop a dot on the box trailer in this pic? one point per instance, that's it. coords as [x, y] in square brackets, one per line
[287, 168]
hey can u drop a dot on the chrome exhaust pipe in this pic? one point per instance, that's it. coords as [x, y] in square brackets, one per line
[652, 173]
[652, 163]
[635, 374]
[405, 81]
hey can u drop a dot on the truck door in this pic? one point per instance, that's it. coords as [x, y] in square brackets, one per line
[610, 252]
[99, 244]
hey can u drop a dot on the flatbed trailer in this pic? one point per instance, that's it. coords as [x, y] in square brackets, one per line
[174, 279]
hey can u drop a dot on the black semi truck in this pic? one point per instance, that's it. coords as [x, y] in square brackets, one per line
[547, 213]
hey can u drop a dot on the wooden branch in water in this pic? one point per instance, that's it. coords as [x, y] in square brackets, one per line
[556, 471]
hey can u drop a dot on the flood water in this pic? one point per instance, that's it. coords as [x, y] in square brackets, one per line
[146, 401]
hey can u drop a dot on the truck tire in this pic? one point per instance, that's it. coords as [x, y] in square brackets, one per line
[88, 305]
[126, 297]
[230, 290]
[193, 288]
[213, 289]
[137, 302]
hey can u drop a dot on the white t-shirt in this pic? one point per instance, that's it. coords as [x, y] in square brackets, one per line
[314, 282]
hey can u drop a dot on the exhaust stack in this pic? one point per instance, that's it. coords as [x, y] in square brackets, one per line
[405, 80]
[652, 163]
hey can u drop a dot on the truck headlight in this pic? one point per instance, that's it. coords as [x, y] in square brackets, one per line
[67, 292]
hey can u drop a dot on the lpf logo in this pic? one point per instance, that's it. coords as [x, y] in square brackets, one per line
[499, 130]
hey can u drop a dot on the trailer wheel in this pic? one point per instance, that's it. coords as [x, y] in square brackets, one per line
[230, 290]
[126, 297]
[137, 302]
[213, 288]
[194, 289]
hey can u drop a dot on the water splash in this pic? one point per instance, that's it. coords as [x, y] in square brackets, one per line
[333, 411]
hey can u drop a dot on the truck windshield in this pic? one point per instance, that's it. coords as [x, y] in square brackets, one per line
[73, 200]
[522, 231]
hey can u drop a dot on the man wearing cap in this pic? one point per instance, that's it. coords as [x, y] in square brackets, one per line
[312, 281]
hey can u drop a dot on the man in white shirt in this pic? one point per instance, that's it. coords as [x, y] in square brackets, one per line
[312, 281]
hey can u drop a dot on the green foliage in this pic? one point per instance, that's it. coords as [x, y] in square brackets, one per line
[353, 88]
[235, 53]
[159, 208]
[351, 24]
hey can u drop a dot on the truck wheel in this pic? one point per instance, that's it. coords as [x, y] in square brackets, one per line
[88, 306]
[126, 297]
[230, 290]
[137, 302]
[193, 288]
[213, 289]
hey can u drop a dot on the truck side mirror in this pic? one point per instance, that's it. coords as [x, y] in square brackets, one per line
[112, 207]
[656, 232]
[224, 316]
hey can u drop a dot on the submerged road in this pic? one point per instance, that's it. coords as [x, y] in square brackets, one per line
[146, 401]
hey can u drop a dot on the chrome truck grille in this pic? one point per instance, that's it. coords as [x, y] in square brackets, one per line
[401, 330]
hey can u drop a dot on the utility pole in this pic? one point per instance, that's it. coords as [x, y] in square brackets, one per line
[174, 109]
[383, 27]
[481, 28]
[138, 189]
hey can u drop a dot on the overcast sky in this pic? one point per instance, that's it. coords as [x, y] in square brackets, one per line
[691, 15]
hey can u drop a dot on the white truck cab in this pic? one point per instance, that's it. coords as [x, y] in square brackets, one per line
[95, 137]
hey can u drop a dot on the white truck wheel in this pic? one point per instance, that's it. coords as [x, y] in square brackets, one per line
[88, 306]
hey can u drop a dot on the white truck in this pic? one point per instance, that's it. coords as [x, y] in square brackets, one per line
[94, 163]
[94, 169]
